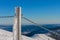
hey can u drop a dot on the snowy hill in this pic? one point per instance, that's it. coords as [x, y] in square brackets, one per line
[5, 35]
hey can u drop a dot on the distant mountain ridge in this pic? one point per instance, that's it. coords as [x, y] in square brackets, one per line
[30, 30]
[33, 29]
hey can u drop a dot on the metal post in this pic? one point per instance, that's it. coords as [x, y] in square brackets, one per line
[17, 24]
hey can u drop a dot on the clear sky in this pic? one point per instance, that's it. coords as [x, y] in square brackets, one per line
[40, 11]
[7, 8]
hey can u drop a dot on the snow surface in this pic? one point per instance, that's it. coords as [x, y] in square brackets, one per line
[43, 37]
[5, 35]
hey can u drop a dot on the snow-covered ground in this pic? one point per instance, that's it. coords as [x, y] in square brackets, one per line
[43, 37]
[5, 35]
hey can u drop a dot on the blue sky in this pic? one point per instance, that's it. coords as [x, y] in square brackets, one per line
[7, 8]
[40, 11]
